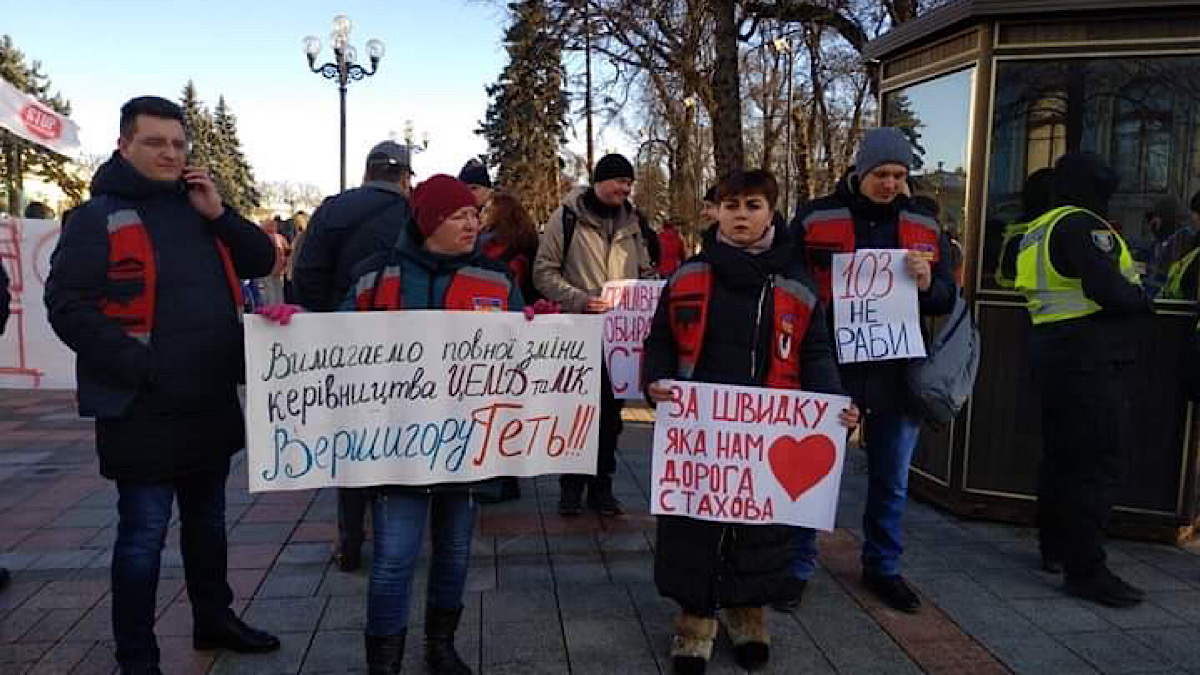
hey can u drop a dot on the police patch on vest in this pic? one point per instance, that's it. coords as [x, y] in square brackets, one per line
[787, 329]
[486, 304]
[1104, 240]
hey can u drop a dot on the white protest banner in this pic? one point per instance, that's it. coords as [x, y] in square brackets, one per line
[31, 355]
[36, 122]
[875, 312]
[748, 455]
[420, 397]
[625, 329]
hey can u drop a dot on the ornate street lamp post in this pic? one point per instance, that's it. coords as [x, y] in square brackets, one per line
[343, 68]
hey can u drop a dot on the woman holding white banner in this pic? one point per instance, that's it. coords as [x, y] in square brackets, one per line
[871, 209]
[742, 312]
[436, 264]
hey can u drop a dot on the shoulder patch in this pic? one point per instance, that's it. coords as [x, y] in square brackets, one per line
[1104, 240]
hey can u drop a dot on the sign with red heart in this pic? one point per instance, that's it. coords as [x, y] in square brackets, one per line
[748, 455]
[799, 465]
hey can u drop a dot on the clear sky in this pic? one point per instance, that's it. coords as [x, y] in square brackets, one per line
[440, 55]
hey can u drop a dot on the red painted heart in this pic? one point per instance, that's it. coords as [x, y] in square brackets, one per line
[799, 465]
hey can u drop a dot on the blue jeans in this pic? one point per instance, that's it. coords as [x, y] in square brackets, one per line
[399, 524]
[144, 517]
[891, 439]
[804, 563]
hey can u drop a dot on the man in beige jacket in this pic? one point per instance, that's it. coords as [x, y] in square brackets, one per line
[604, 242]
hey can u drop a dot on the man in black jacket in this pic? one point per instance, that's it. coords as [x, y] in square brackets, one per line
[344, 231]
[144, 287]
[5, 298]
[1086, 304]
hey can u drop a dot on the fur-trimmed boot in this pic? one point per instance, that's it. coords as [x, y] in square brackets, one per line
[692, 645]
[385, 653]
[747, 627]
[440, 626]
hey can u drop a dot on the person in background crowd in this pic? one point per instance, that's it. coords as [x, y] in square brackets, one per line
[708, 208]
[1175, 271]
[509, 237]
[300, 222]
[270, 289]
[439, 266]
[476, 177]
[345, 230]
[143, 287]
[670, 243]
[595, 236]
[1086, 304]
[5, 299]
[38, 211]
[711, 325]
[869, 210]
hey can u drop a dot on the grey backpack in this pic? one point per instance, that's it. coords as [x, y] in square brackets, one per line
[940, 384]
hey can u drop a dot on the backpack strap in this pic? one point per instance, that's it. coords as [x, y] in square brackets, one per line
[568, 226]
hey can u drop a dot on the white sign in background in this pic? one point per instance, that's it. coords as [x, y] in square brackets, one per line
[36, 122]
[876, 314]
[626, 327]
[748, 455]
[419, 397]
[31, 355]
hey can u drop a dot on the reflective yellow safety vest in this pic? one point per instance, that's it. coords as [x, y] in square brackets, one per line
[1049, 295]
[1009, 241]
[1173, 289]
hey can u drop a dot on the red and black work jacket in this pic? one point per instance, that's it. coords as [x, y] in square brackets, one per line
[831, 230]
[133, 269]
[471, 288]
[690, 292]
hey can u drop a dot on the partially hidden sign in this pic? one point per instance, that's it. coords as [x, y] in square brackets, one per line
[876, 315]
[419, 397]
[626, 326]
[748, 455]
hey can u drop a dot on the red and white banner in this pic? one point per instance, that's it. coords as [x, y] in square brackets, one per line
[36, 122]
[626, 327]
[31, 356]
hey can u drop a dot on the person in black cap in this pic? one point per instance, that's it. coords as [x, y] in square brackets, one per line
[475, 175]
[345, 230]
[595, 236]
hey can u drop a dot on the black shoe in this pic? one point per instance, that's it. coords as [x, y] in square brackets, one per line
[752, 655]
[1052, 563]
[385, 653]
[440, 656]
[601, 498]
[688, 665]
[5, 577]
[893, 591]
[791, 604]
[570, 503]
[141, 670]
[1104, 588]
[349, 557]
[233, 634]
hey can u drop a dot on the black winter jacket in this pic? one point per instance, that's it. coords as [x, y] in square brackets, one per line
[879, 386]
[1108, 336]
[345, 230]
[705, 565]
[168, 408]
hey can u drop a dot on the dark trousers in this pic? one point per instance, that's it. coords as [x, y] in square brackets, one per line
[1086, 422]
[611, 426]
[352, 514]
[144, 517]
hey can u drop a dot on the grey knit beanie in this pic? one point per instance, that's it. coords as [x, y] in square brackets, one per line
[882, 145]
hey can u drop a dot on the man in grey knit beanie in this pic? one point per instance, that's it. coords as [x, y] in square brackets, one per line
[882, 145]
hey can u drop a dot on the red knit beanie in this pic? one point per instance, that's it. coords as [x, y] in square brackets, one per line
[437, 198]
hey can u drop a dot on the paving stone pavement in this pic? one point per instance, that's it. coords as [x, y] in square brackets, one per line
[549, 595]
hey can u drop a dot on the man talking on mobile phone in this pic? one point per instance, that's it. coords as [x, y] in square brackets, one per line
[144, 287]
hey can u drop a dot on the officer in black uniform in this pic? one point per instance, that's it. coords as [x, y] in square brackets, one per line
[1082, 364]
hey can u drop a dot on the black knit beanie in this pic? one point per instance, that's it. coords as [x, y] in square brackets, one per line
[612, 166]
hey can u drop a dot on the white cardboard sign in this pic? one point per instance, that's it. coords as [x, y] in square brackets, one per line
[748, 455]
[419, 397]
[876, 315]
[626, 327]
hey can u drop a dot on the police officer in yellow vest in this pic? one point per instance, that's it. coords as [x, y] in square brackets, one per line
[1085, 301]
